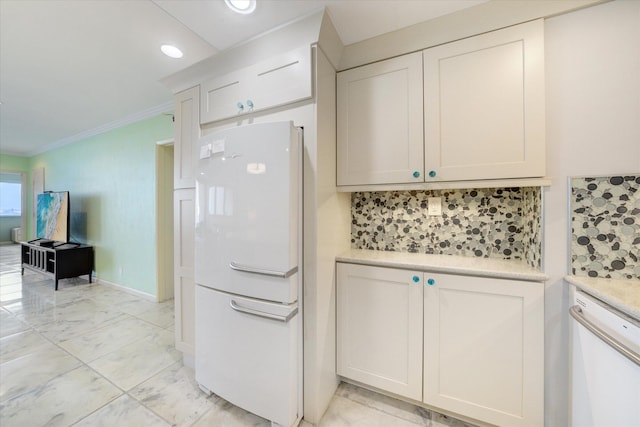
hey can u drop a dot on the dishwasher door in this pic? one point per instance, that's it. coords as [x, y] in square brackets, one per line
[605, 366]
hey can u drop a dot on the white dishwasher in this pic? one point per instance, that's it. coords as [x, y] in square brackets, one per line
[605, 373]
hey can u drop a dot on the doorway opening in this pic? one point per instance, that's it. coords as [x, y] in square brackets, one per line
[164, 219]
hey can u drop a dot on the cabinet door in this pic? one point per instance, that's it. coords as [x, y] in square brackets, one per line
[380, 137]
[187, 133]
[280, 80]
[484, 348]
[223, 97]
[184, 283]
[379, 319]
[484, 106]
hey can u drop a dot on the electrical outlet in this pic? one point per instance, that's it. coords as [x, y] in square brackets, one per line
[434, 206]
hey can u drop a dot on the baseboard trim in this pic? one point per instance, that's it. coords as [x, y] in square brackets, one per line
[143, 295]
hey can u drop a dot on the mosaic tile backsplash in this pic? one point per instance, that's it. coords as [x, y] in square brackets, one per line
[605, 227]
[492, 223]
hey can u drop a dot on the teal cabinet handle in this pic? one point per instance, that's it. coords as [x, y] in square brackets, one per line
[416, 174]
[431, 282]
[240, 106]
[416, 279]
[432, 174]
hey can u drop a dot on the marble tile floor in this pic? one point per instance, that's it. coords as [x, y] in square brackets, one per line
[92, 355]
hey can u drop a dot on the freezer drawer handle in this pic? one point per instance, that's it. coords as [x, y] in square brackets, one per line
[576, 313]
[284, 319]
[247, 269]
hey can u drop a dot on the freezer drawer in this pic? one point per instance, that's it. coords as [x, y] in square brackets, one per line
[247, 353]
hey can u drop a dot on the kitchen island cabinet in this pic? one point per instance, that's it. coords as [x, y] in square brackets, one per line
[480, 101]
[479, 341]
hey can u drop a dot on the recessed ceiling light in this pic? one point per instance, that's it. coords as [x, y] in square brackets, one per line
[171, 51]
[241, 6]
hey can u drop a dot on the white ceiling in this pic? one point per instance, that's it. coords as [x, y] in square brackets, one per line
[70, 69]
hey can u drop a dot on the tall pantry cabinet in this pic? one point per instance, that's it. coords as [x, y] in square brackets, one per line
[187, 132]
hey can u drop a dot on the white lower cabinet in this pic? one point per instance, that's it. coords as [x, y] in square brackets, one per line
[479, 342]
[484, 348]
[380, 328]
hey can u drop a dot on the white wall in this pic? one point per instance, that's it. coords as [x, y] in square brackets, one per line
[593, 128]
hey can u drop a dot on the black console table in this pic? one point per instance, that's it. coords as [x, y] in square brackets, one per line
[59, 260]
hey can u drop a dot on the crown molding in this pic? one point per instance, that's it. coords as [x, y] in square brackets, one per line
[131, 118]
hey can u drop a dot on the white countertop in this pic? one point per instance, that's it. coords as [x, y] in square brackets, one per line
[470, 266]
[623, 295]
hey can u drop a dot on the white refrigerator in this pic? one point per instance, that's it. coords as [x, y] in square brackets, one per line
[248, 273]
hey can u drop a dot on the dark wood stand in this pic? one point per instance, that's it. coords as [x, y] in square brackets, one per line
[57, 259]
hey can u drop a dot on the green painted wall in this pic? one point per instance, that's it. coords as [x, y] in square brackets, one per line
[14, 163]
[112, 183]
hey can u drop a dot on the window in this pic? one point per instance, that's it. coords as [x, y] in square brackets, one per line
[10, 199]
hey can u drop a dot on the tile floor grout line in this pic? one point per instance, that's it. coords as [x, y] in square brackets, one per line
[171, 395]
[147, 407]
[122, 390]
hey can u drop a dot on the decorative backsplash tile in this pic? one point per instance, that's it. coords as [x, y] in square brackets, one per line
[605, 227]
[491, 223]
[532, 225]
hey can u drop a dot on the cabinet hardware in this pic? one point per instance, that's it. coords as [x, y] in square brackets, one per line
[416, 174]
[416, 279]
[431, 282]
[432, 174]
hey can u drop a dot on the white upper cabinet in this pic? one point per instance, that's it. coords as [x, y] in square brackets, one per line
[479, 100]
[484, 113]
[379, 115]
[280, 80]
[186, 135]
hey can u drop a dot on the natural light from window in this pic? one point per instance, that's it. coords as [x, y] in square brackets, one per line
[10, 199]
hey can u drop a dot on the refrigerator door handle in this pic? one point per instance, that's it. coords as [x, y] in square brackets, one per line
[284, 319]
[247, 269]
